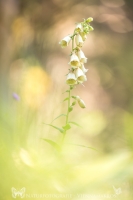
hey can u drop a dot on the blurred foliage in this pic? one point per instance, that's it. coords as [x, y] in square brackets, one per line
[32, 80]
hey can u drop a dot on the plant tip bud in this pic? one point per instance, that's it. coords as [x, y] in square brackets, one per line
[90, 19]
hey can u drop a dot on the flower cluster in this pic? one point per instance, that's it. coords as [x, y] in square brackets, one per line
[77, 72]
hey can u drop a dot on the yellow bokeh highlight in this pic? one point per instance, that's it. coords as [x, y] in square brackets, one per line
[35, 87]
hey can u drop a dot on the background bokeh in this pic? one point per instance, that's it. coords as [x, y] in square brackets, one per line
[32, 79]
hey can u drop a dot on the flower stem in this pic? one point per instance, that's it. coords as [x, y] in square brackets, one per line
[73, 41]
[69, 94]
[69, 97]
[67, 115]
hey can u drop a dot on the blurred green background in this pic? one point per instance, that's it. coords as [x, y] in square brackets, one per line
[33, 66]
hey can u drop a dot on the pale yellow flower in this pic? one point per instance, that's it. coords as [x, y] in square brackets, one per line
[83, 68]
[71, 79]
[81, 77]
[65, 41]
[83, 35]
[74, 61]
[79, 40]
[79, 27]
[81, 56]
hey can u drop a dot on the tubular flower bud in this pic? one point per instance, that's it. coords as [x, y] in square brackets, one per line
[79, 27]
[81, 77]
[74, 61]
[83, 68]
[81, 103]
[77, 97]
[82, 57]
[79, 41]
[83, 35]
[65, 41]
[71, 79]
[90, 19]
[91, 28]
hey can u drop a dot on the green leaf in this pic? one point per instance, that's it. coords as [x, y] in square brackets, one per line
[75, 124]
[59, 129]
[53, 144]
[83, 146]
[59, 116]
[66, 99]
[70, 108]
[73, 103]
[74, 97]
[65, 91]
[67, 127]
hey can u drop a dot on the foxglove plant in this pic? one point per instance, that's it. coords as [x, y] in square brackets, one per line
[77, 72]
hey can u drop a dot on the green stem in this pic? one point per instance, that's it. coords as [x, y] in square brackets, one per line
[67, 115]
[69, 94]
[73, 41]
[69, 97]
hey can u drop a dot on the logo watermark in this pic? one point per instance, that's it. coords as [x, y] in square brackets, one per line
[21, 193]
[117, 190]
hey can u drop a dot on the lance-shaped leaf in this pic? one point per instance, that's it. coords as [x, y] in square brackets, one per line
[59, 116]
[73, 103]
[75, 124]
[67, 127]
[66, 91]
[66, 99]
[59, 129]
[83, 146]
[76, 97]
[52, 143]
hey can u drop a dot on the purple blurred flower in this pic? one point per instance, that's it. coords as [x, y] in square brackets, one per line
[16, 96]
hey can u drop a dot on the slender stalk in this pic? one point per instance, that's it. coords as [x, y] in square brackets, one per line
[67, 115]
[69, 98]
[73, 40]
